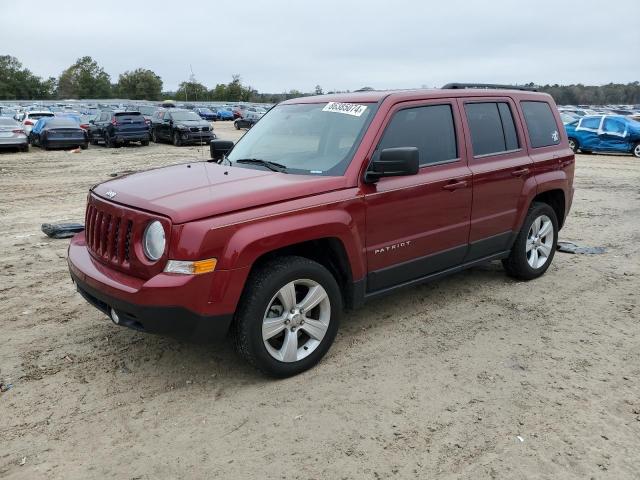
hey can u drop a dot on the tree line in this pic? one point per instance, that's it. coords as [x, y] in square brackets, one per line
[87, 79]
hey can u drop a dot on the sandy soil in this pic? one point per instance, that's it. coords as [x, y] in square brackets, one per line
[477, 376]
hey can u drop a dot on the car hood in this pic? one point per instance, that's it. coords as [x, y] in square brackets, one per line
[193, 191]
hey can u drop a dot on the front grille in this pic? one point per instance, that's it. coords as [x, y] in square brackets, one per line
[199, 129]
[108, 236]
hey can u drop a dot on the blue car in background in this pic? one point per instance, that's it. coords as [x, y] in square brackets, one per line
[206, 113]
[224, 114]
[604, 133]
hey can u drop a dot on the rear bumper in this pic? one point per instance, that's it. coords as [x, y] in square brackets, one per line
[175, 305]
[131, 136]
[65, 142]
[13, 142]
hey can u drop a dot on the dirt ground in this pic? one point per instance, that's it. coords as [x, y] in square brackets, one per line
[476, 376]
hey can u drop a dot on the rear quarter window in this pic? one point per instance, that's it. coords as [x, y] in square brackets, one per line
[541, 124]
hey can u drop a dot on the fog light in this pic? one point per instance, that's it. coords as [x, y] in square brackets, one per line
[115, 317]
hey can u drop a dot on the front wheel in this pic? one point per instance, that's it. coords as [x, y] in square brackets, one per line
[108, 142]
[288, 317]
[636, 150]
[237, 125]
[535, 245]
[176, 139]
[154, 138]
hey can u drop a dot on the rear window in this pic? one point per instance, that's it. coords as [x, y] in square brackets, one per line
[37, 116]
[62, 123]
[131, 116]
[541, 124]
[492, 128]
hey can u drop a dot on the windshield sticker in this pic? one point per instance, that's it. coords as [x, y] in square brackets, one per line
[346, 108]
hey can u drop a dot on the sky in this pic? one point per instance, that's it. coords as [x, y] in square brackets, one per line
[279, 45]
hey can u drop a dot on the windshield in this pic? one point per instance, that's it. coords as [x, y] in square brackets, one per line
[316, 139]
[181, 116]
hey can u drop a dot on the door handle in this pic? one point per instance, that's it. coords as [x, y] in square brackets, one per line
[520, 172]
[455, 184]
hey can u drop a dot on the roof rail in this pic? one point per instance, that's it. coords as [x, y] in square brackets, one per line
[457, 86]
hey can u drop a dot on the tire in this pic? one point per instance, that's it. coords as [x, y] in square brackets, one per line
[176, 139]
[108, 142]
[154, 138]
[24, 148]
[636, 150]
[526, 264]
[84, 146]
[94, 141]
[262, 297]
[237, 125]
[573, 144]
[144, 143]
[586, 152]
[43, 144]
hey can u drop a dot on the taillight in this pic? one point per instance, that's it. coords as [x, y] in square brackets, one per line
[114, 122]
[28, 122]
[18, 131]
[84, 126]
[147, 121]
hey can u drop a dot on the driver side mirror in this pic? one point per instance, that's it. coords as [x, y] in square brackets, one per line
[219, 148]
[394, 162]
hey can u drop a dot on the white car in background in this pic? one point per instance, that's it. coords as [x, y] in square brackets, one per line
[30, 119]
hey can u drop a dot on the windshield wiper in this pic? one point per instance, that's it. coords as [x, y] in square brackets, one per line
[276, 167]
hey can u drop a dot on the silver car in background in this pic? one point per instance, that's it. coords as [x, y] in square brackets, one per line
[12, 135]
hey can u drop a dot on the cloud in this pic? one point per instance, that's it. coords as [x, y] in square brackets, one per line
[281, 45]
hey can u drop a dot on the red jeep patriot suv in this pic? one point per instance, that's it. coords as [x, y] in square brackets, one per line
[325, 203]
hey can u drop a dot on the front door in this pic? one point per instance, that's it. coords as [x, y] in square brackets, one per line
[418, 225]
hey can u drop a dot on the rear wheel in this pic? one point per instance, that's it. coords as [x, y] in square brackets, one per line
[145, 143]
[535, 245]
[573, 144]
[108, 142]
[636, 150]
[84, 146]
[288, 316]
[24, 148]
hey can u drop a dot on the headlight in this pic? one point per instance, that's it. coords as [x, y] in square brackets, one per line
[182, 127]
[154, 241]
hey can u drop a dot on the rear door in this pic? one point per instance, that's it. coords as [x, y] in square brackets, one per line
[419, 224]
[614, 135]
[501, 167]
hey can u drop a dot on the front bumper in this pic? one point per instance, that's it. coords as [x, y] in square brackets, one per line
[197, 137]
[166, 304]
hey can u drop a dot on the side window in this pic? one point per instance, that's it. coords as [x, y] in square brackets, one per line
[591, 124]
[430, 129]
[167, 116]
[613, 126]
[541, 124]
[492, 128]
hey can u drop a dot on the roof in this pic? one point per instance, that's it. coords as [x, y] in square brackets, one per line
[375, 96]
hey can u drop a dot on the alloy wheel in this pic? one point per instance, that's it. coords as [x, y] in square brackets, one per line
[539, 241]
[296, 320]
